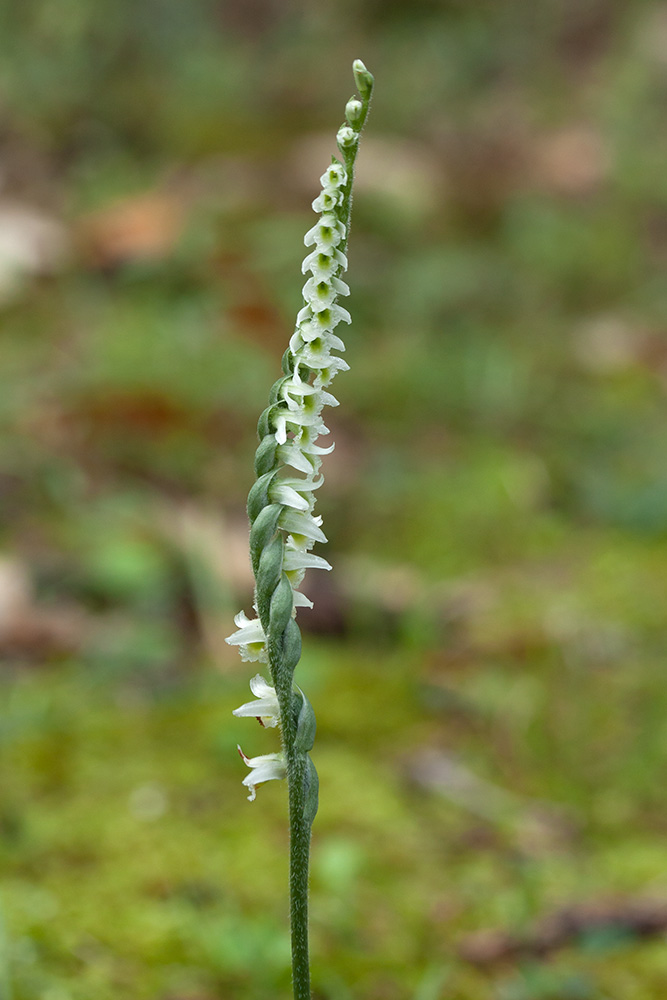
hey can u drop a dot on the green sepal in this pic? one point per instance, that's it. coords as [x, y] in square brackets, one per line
[268, 574]
[263, 427]
[258, 498]
[305, 727]
[265, 456]
[275, 389]
[265, 423]
[288, 362]
[311, 788]
[262, 531]
[282, 604]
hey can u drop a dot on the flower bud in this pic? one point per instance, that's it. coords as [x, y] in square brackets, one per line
[354, 112]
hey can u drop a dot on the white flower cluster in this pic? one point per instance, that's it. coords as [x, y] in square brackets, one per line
[297, 416]
[265, 709]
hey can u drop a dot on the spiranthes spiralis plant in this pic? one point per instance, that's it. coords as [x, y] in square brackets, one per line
[284, 528]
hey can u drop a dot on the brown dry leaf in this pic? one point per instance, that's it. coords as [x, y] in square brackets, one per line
[574, 160]
[143, 227]
[623, 918]
[608, 343]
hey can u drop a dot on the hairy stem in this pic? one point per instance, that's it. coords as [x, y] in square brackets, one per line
[298, 875]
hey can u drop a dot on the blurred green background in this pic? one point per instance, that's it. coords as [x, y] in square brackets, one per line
[487, 659]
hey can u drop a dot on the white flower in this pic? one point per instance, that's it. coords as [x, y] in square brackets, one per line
[326, 233]
[323, 265]
[327, 200]
[320, 294]
[265, 706]
[295, 386]
[250, 638]
[314, 324]
[320, 344]
[266, 767]
[346, 136]
[334, 176]
[306, 415]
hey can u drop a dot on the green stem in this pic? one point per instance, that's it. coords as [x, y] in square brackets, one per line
[298, 875]
[299, 858]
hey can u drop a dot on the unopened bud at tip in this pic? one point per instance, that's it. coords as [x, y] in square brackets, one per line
[363, 79]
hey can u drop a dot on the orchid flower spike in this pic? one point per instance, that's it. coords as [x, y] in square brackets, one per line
[281, 510]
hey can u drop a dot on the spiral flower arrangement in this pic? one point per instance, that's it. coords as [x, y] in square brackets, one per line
[284, 528]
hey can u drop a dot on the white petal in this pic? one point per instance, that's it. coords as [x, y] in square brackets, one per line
[302, 524]
[281, 428]
[281, 493]
[327, 375]
[307, 484]
[303, 560]
[340, 287]
[290, 454]
[328, 399]
[266, 767]
[261, 688]
[301, 601]
[334, 343]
